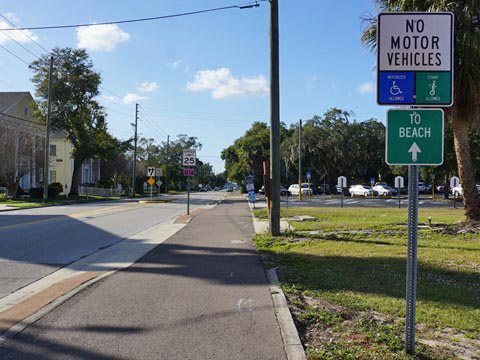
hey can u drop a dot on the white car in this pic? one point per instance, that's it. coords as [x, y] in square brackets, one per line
[385, 190]
[361, 190]
[457, 190]
[293, 189]
[422, 188]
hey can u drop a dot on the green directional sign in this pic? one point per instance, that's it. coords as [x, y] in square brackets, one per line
[414, 137]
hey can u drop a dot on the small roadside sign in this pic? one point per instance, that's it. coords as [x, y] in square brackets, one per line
[158, 172]
[309, 175]
[189, 157]
[454, 182]
[399, 182]
[151, 181]
[159, 183]
[150, 171]
[188, 172]
[372, 181]
[415, 58]
[249, 183]
[342, 182]
[414, 137]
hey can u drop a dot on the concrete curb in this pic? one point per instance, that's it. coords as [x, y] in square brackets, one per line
[291, 339]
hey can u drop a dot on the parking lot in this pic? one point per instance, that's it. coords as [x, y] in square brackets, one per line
[385, 202]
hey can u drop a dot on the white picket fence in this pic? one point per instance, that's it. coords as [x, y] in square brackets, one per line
[91, 191]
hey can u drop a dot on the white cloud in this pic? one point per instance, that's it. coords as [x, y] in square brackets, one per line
[311, 82]
[133, 98]
[24, 36]
[175, 64]
[147, 86]
[12, 17]
[101, 37]
[366, 88]
[223, 84]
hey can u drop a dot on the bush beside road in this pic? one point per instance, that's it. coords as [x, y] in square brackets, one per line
[344, 276]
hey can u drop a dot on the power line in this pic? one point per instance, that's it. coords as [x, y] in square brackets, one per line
[154, 126]
[13, 54]
[118, 112]
[19, 118]
[19, 44]
[245, 6]
[24, 33]
[13, 87]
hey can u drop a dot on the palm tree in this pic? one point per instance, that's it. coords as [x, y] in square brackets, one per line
[464, 115]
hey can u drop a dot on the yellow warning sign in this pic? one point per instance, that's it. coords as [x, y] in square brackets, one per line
[150, 181]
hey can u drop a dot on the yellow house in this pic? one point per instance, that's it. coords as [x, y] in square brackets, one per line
[61, 163]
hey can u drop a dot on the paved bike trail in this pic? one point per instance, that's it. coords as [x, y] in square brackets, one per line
[202, 294]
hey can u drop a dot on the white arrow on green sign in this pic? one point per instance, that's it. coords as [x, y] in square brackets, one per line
[414, 137]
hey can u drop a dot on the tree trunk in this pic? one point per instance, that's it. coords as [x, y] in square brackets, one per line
[77, 166]
[465, 170]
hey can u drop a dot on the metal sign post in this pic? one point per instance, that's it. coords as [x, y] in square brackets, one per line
[411, 258]
[399, 184]
[342, 183]
[454, 181]
[188, 195]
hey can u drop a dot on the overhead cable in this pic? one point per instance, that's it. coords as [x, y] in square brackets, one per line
[245, 6]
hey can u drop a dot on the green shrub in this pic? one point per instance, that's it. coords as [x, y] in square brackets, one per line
[54, 189]
[3, 197]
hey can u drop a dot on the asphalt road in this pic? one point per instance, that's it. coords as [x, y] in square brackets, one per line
[37, 242]
[202, 294]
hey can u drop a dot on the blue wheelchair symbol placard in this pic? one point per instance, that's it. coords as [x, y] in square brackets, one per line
[396, 88]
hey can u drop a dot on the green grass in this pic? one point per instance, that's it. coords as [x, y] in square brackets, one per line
[356, 259]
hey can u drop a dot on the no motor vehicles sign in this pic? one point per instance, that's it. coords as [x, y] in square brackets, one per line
[415, 59]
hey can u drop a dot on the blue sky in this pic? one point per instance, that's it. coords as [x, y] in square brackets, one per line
[205, 75]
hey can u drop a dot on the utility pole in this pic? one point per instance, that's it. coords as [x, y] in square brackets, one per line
[274, 121]
[47, 134]
[300, 161]
[135, 152]
[166, 166]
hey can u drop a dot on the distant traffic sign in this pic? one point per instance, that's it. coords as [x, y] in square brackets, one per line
[189, 157]
[151, 181]
[188, 172]
[150, 171]
[414, 137]
[415, 59]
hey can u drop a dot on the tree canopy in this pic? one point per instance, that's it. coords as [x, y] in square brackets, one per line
[75, 85]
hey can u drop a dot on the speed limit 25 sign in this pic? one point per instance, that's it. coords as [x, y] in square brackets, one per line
[189, 157]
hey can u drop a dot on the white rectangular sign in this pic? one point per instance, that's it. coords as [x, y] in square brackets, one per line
[150, 171]
[415, 41]
[189, 157]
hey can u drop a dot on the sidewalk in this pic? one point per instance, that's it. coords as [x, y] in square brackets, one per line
[202, 294]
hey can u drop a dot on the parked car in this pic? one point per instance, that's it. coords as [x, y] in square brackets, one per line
[283, 191]
[293, 189]
[385, 190]
[421, 187]
[441, 188]
[323, 189]
[361, 190]
[457, 190]
[311, 186]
